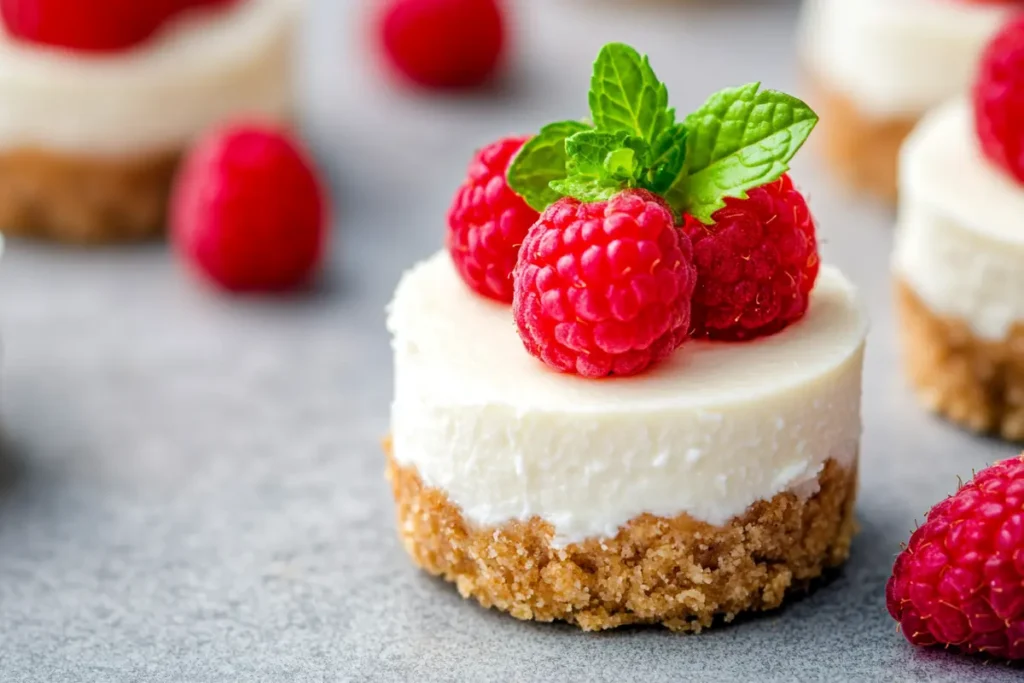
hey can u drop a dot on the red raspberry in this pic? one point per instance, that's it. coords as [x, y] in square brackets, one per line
[999, 99]
[443, 43]
[756, 264]
[248, 210]
[604, 288]
[86, 25]
[960, 580]
[488, 222]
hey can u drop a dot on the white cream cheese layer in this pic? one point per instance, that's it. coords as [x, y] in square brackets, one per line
[714, 429]
[897, 57]
[196, 72]
[960, 232]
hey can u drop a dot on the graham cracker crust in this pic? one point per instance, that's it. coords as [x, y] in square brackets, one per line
[861, 149]
[678, 572]
[84, 199]
[975, 383]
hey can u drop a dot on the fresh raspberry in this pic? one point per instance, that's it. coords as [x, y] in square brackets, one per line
[604, 288]
[443, 43]
[960, 580]
[488, 222]
[86, 25]
[248, 210]
[756, 264]
[999, 99]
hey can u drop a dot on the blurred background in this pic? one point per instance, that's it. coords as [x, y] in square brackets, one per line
[192, 487]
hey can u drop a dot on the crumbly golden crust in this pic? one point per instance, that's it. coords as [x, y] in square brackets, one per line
[84, 199]
[862, 149]
[678, 572]
[976, 383]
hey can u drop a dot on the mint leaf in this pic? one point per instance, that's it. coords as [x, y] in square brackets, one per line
[622, 164]
[740, 139]
[626, 95]
[542, 160]
[668, 157]
[599, 164]
[587, 188]
[613, 155]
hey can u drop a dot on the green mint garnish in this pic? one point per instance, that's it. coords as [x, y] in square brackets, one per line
[600, 164]
[612, 155]
[740, 139]
[625, 95]
[669, 153]
[541, 161]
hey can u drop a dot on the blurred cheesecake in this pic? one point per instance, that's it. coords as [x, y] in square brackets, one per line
[959, 268]
[877, 66]
[89, 141]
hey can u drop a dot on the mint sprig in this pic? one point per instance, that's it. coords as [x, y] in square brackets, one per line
[739, 139]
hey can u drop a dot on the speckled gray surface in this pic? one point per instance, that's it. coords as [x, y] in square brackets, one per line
[193, 489]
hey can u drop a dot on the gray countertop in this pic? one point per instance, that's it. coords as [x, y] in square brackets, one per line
[192, 487]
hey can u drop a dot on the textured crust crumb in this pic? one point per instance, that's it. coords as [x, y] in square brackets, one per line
[975, 383]
[82, 199]
[863, 150]
[677, 572]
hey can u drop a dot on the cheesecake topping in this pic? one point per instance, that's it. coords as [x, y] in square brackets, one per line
[605, 280]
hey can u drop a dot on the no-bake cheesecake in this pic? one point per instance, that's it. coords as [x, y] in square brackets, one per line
[877, 66]
[597, 453]
[89, 141]
[959, 256]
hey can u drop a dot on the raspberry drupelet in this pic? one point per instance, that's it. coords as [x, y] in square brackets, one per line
[487, 222]
[756, 264]
[604, 288]
[960, 580]
[999, 100]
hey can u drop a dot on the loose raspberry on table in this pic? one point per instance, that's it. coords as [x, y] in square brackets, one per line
[487, 222]
[756, 264]
[443, 43]
[604, 288]
[999, 99]
[960, 580]
[86, 25]
[248, 211]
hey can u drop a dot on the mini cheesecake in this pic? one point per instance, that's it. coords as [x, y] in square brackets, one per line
[89, 143]
[959, 270]
[876, 66]
[712, 484]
